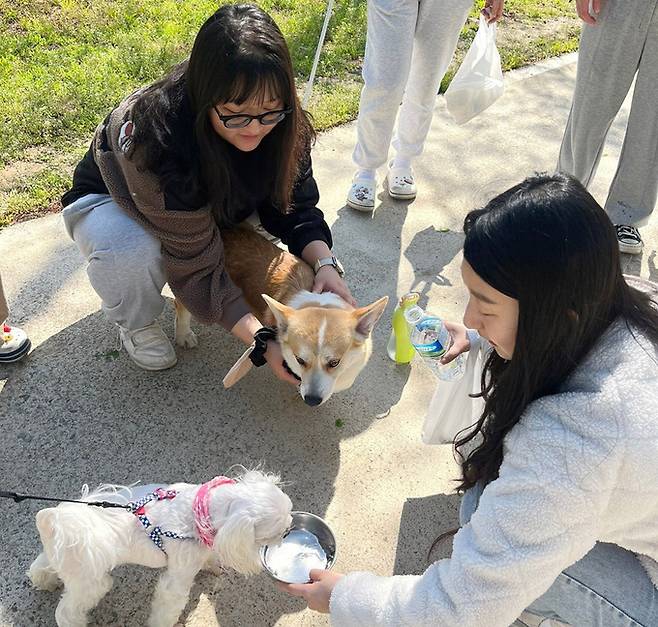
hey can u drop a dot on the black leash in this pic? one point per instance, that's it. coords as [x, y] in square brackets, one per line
[17, 498]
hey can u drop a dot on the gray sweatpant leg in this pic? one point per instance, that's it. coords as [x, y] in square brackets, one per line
[124, 261]
[4, 310]
[623, 43]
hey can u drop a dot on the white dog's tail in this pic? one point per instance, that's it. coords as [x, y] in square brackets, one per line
[111, 492]
[74, 535]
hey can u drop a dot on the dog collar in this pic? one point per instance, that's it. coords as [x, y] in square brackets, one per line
[289, 371]
[202, 520]
[261, 337]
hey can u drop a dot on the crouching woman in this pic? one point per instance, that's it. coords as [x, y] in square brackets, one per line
[217, 142]
[560, 474]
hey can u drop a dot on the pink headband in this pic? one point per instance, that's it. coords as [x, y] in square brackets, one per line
[202, 520]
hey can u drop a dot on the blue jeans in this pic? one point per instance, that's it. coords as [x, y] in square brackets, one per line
[606, 588]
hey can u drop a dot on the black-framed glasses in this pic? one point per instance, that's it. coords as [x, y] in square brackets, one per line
[240, 120]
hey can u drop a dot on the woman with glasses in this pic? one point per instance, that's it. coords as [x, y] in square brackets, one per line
[220, 140]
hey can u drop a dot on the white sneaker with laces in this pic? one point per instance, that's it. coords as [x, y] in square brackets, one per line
[629, 239]
[148, 347]
[401, 183]
[362, 194]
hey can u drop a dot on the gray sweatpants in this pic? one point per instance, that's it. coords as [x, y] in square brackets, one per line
[124, 261]
[4, 310]
[409, 46]
[623, 44]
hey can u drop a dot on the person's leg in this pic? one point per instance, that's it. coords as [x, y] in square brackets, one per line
[634, 189]
[608, 58]
[437, 33]
[389, 45]
[607, 587]
[124, 265]
[4, 309]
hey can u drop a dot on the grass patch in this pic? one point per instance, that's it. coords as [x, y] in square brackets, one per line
[38, 195]
[110, 355]
[65, 63]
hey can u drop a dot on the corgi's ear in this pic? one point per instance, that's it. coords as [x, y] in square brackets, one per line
[366, 317]
[280, 312]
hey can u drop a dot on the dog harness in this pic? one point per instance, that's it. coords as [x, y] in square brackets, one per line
[206, 532]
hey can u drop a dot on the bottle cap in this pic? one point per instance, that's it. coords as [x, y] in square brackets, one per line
[411, 298]
[414, 314]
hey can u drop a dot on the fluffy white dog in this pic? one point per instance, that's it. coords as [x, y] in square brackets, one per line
[182, 526]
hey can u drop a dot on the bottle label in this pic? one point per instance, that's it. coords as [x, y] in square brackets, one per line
[431, 346]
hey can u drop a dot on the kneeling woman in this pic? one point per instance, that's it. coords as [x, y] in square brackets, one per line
[219, 140]
[560, 510]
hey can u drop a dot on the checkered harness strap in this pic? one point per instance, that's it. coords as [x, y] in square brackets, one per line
[156, 533]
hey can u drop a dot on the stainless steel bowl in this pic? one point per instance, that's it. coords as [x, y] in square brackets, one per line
[308, 544]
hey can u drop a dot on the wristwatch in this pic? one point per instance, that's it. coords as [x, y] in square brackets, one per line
[330, 261]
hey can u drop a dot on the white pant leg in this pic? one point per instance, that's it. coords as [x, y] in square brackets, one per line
[124, 261]
[634, 189]
[389, 45]
[608, 58]
[437, 33]
[4, 309]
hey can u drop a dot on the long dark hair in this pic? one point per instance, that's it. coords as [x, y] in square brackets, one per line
[547, 243]
[239, 54]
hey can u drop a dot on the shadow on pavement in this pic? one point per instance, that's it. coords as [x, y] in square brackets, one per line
[422, 521]
[632, 264]
[97, 418]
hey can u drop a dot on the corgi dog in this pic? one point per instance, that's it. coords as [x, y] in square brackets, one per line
[325, 341]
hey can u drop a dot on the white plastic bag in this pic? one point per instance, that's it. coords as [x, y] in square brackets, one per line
[451, 408]
[478, 82]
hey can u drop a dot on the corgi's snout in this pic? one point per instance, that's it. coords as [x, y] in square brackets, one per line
[312, 400]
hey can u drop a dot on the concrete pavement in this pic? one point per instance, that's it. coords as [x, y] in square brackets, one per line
[73, 413]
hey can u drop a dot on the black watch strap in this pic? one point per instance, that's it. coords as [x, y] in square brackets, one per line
[261, 337]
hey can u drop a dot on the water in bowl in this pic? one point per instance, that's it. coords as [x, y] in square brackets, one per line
[296, 556]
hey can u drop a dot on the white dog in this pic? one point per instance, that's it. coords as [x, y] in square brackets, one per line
[182, 526]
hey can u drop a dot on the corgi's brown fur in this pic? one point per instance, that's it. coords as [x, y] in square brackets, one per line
[258, 266]
[324, 341]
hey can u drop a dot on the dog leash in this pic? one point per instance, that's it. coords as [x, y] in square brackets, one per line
[17, 498]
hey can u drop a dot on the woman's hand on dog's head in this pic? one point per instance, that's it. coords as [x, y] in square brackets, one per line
[328, 280]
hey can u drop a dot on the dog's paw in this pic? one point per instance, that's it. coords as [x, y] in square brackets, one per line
[214, 567]
[187, 340]
[44, 579]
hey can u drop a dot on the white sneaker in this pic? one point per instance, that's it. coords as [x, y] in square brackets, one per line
[362, 194]
[14, 344]
[401, 184]
[629, 239]
[149, 347]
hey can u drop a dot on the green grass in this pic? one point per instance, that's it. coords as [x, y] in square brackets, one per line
[65, 63]
[34, 196]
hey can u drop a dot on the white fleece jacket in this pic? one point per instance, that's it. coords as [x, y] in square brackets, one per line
[581, 466]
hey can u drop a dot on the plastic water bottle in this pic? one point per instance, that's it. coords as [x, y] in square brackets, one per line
[432, 340]
[399, 347]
